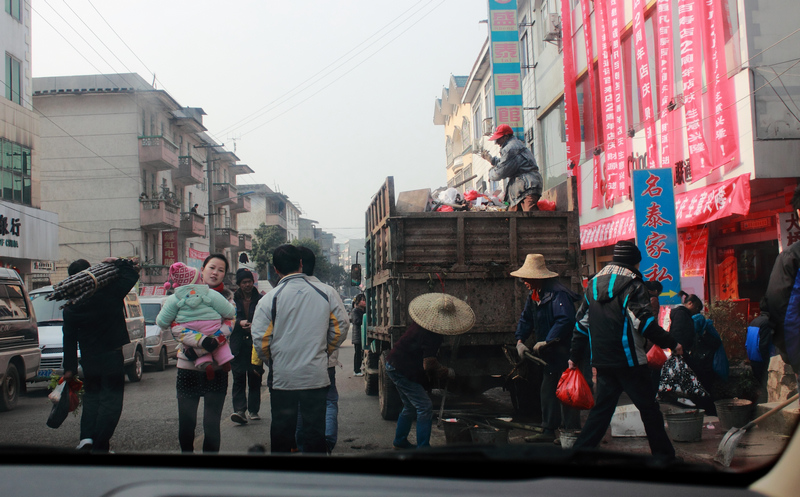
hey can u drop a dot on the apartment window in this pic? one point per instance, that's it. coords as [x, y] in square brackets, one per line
[13, 8]
[553, 146]
[15, 174]
[524, 60]
[465, 133]
[13, 80]
[478, 122]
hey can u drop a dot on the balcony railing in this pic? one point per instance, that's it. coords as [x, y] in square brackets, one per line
[226, 237]
[189, 172]
[153, 274]
[225, 194]
[245, 242]
[192, 224]
[158, 153]
[242, 205]
[159, 215]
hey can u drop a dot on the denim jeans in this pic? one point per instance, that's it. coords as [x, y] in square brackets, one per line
[246, 375]
[331, 417]
[416, 404]
[104, 387]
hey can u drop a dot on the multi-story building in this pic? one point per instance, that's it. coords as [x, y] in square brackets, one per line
[28, 235]
[126, 165]
[273, 209]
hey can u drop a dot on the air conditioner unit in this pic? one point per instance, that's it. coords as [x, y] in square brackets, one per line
[488, 126]
[552, 32]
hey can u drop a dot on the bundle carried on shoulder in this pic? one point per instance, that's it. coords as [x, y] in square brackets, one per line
[84, 284]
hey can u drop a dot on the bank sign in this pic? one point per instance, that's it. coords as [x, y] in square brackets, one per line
[657, 230]
[28, 233]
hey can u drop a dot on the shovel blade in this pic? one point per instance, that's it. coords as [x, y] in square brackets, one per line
[728, 445]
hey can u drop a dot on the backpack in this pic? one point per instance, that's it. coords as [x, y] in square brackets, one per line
[759, 339]
[709, 346]
[721, 366]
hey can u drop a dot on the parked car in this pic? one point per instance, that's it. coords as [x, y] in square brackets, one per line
[19, 339]
[50, 319]
[159, 345]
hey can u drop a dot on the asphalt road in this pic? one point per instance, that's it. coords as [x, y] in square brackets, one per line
[149, 421]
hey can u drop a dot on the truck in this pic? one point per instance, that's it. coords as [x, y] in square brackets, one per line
[468, 254]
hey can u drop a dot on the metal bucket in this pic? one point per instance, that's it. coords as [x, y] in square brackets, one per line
[734, 413]
[489, 436]
[456, 431]
[568, 438]
[685, 426]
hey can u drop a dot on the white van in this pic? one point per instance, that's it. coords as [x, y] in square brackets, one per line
[51, 339]
[159, 345]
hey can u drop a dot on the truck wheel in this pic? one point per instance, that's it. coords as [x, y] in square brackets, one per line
[371, 374]
[388, 398]
[162, 360]
[136, 369]
[10, 386]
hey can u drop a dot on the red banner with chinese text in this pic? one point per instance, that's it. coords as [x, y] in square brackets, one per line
[608, 136]
[692, 208]
[589, 97]
[693, 251]
[645, 86]
[618, 182]
[690, 17]
[196, 254]
[572, 119]
[169, 247]
[671, 135]
[724, 146]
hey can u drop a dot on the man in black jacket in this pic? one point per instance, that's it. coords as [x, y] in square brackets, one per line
[244, 371]
[615, 319]
[98, 327]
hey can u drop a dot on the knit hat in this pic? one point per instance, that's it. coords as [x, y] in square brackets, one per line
[442, 313]
[243, 274]
[626, 252]
[180, 274]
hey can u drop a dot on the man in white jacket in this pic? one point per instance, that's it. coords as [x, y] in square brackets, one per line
[298, 325]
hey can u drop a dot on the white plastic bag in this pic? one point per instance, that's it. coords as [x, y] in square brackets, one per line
[449, 196]
[55, 395]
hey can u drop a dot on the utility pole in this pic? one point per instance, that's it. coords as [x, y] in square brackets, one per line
[211, 214]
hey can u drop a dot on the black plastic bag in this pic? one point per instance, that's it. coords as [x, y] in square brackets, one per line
[59, 411]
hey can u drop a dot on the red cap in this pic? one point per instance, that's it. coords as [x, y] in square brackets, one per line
[502, 130]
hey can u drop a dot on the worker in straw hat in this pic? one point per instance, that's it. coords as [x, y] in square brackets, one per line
[546, 325]
[412, 363]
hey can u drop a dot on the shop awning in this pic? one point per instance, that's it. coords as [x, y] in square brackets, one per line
[692, 208]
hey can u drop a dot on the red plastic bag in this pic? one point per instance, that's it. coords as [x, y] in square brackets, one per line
[444, 208]
[656, 357]
[574, 391]
[546, 205]
[471, 195]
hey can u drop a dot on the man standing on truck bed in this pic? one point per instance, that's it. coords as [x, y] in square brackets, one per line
[615, 319]
[549, 316]
[516, 162]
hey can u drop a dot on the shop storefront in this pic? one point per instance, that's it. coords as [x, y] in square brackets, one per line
[29, 242]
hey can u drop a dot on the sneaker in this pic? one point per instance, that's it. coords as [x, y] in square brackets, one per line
[547, 438]
[254, 416]
[239, 417]
[85, 444]
[359, 374]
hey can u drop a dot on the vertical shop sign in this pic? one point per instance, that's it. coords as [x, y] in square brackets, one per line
[694, 248]
[671, 144]
[656, 230]
[504, 37]
[587, 38]
[789, 229]
[607, 95]
[724, 145]
[169, 247]
[572, 119]
[616, 172]
[690, 17]
[728, 274]
[645, 87]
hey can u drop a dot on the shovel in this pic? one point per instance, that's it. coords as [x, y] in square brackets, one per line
[731, 439]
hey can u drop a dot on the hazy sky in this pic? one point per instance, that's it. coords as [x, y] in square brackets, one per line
[324, 98]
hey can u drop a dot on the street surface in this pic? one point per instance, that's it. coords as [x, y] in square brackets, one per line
[149, 422]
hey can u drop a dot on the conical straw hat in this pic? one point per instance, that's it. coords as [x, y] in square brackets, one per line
[534, 269]
[442, 313]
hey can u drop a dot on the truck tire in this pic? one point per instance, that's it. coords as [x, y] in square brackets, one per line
[11, 385]
[370, 374]
[136, 369]
[388, 397]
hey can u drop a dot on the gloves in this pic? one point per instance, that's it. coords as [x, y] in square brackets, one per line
[451, 373]
[537, 348]
[521, 349]
[210, 343]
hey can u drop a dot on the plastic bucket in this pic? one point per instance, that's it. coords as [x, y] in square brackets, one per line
[685, 426]
[488, 436]
[456, 431]
[568, 438]
[733, 413]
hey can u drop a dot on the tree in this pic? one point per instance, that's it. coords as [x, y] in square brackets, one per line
[265, 240]
[328, 273]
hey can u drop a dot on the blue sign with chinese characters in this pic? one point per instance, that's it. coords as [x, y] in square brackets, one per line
[505, 58]
[657, 230]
